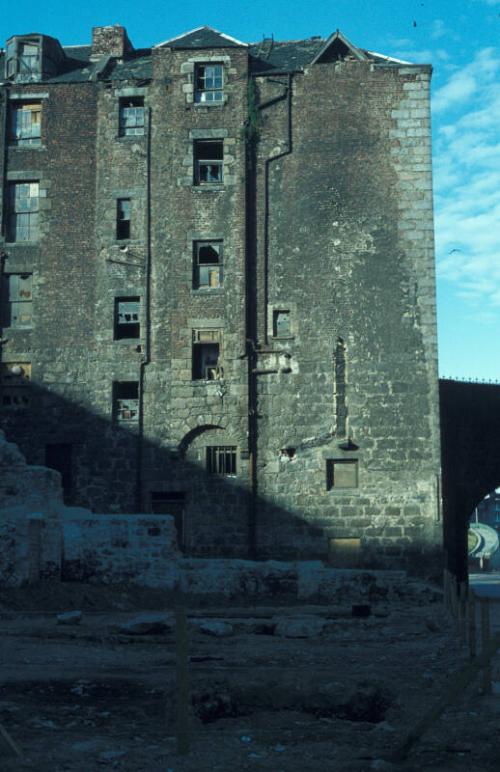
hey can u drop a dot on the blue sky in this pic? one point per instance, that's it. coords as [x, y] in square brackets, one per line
[459, 37]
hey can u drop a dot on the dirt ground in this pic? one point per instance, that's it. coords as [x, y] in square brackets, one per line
[88, 697]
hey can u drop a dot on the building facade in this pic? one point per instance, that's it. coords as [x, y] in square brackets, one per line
[218, 289]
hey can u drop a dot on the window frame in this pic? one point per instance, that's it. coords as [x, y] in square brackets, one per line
[12, 297]
[330, 474]
[15, 213]
[138, 128]
[202, 91]
[15, 385]
[217, 460]
[123, 224]
[201, 369]
[19, 135]
[120, 328]
[202, 178]
[209, 267]
[119, 410]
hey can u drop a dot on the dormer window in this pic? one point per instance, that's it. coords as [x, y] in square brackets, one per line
[24, 61]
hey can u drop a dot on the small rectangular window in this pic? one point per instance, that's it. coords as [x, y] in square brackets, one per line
[207, 355]
[207, 268]
[281, 324]
[25, 123]
[131, 116]
[16, 300]
[221, 460]
[15, 383]
[125, 402]
[208, 161]
[22, 211]
[127, 320]
[123, 218]
[342, 473]
[209, 84]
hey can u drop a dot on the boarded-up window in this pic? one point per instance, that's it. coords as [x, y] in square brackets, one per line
[341, 473]
[16, 297]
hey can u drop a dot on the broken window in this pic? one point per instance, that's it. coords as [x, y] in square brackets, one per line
[127, 323]
[171, 503]
[25, 123]
[22, 211]
[342, 473]
[15, 382]
[208, 161]
[206, 355]
[123, 218]
[209, 83]
[131, 116]
[281, 324]
[16, 299]
[125, 401]
[221, 459]
[207, 268]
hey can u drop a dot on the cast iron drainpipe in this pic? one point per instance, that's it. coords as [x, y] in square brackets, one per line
[253, 371]
[146, 359]
[3, 255]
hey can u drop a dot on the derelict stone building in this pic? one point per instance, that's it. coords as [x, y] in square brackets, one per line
[218, 289]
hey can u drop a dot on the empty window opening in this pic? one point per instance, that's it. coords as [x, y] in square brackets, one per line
[16, 299]
[25, 123]
[221, 460]
[58, 456]
[127, 323]
[342, 473]
[123, 218]
[288, 454]
[171, 503]
[22, 211]
[207, 355]
[131, 116]
[207, 272]
[281, 324]
[208, 161]
[209, 83]
[15, 381]
[126, 401]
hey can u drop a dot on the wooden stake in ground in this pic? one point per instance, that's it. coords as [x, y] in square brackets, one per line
[7, 744]
[182, 682]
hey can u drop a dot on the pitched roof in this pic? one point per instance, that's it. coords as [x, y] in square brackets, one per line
[337, 47]
[202, 37]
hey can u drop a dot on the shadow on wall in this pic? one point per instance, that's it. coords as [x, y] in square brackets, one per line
[470, 445]
[107, 467]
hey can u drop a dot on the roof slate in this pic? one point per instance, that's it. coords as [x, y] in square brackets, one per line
[266, 57]
[204, 37]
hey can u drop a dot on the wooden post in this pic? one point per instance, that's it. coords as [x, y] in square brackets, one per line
[182, 705]
[471, 625]
[485, 642]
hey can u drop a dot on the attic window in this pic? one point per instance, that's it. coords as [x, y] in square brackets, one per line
[23, 59]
